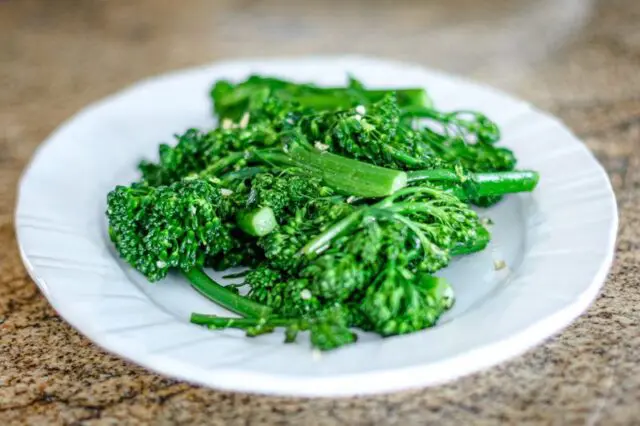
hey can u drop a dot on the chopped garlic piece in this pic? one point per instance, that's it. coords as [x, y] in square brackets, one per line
[499, 264]
[244, 121]
[321, 146]
[227, 124]
[486, 221]
[226, 192]
[361, 110]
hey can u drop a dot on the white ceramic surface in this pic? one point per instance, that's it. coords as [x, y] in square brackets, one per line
[557, 242]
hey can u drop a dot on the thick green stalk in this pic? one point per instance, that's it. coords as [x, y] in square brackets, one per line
[499, 183]
[223, 297]
[257, 222]
[347, 175]
[484, 184]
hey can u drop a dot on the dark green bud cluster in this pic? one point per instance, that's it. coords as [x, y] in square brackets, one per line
[176, 226]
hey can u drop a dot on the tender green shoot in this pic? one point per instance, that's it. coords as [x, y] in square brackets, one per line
[223, 296]
[328, 331]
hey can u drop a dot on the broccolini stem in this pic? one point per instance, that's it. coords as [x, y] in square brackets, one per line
[223, 297]
[340, 98]
[445, 175]
[479, 244]
[320, 242]
[257, 222]
[347, 175]
[244, 173]
[499, 183]
[227, 96]
[485, 184]
[274, 158]
[410, 191]
[221, 164]
[337, 100]
[417, 97]
[324, 335]
[235, 275]
[214, 321]
[419, 111]
[403, 157]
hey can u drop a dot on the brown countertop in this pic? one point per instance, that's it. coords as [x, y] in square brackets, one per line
[579, 59]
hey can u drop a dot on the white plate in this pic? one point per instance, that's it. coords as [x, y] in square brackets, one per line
[557, 243]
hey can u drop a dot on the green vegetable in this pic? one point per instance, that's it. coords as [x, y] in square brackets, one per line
[277, 135]
[461, 123]
[379, 255]
[231, 101]
[354, 177]
[342, 203]
[328, 331]
[480, 184]
[177, 226]
[374, 134]
[347, 175]
[478, 244]
[224, 297]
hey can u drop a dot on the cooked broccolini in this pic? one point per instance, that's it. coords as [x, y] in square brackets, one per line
[342, 201]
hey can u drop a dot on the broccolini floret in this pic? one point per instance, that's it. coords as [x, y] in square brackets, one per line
[177, 226]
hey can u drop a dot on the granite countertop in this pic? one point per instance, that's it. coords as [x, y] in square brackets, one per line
[579, 59]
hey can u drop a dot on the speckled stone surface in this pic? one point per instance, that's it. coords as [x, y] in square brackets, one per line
[579, 59]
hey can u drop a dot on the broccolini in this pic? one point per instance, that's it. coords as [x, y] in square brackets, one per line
[343, 203]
